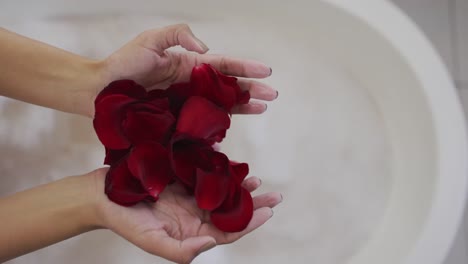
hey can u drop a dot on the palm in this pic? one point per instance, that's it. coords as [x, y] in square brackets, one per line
[175, 214]
[175, 223]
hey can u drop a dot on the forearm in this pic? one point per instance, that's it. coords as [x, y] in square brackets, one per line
[45, 215]
[37, 73]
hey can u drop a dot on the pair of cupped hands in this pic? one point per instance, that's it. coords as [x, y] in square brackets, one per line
[175, 228]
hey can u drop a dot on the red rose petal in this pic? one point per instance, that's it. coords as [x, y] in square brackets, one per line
[161, 103]
[212, 186]
[177, 94]
[107, 121]
[211, 190]
[122, 188]
[186, 155]
[239, 171]
[221, 89]
[159, 106]
[242, 97]
[201, 118]
[156, 94]
[113, 156]
[123, 87]
[146, 126]
[237, 217]
[149, 162]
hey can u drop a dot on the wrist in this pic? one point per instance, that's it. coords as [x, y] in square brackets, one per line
[81, 205]
[93, 199]
[93, 77]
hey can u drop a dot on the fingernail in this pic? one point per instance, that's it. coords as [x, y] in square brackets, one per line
[206, 247]
[271, 71]
[272, 213]
[202, 45]
[260, 181]
[281, 197]
[277, 94]
[266, 107]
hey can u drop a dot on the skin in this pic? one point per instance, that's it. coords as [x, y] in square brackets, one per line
[173, 228]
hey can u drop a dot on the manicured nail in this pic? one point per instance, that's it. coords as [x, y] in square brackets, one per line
[277, 94]
[271, 71]
[206, 247]
[202, 45]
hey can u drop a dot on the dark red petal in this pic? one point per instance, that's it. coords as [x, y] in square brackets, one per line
[113, 156]
[188, 154]
[123, 188]
[212, 185]
[157, 106]
[124, 87]
[211, 190]
[145, 126]
[156, 94]
[237, 217]
[243, 97]
[203, 80]
[177, 94]
[107, 121]
[239, 171]
[200, 118]
[215, 86]
[149, 162]
[161, 103]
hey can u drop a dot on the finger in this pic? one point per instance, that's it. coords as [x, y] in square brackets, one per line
[253, 108]
[258, 90]
[180, 251]
[164, 38]
[235, 66]
[267, 200]
[251, 183]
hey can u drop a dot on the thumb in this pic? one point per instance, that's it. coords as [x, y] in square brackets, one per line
[183, 251]
[180, 34]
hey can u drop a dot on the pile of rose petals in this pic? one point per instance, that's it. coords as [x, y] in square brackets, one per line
[163, 137]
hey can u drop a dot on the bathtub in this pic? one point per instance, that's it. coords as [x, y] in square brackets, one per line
[366, 142]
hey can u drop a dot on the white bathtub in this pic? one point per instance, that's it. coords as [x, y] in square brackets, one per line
[367, 140]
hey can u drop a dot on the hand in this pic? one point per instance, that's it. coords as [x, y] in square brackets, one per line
[147, 61]
[174, 227]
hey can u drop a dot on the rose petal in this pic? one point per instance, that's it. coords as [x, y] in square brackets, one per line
[122, 188]
[107, 121]
[157, 94]
[237, 217]
[149, 162]
[113, 156]
[146, 126]
[212, 186]
[200, 118]
[123, 87]
[188, 154]
[221, 89]
[239, 171]
[177, 94]
[211, 190]
[161, 103]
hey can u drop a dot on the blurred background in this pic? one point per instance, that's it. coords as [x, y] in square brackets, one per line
[38, 148]
[445, 22]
